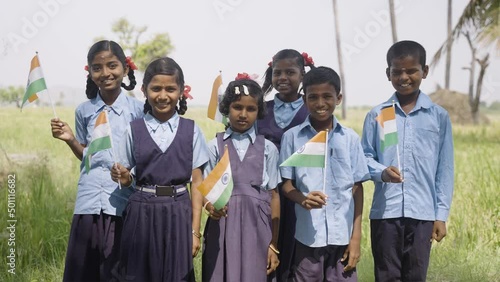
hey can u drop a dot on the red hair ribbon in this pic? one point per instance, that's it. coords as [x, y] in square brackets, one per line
[130, 63]
[86, 68]
[242, 76]
[270, 63]
[186, 94]
[308, 61]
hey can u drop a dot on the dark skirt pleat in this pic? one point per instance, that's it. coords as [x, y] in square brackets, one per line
[93, 247]
[236, 247]
[157, 241]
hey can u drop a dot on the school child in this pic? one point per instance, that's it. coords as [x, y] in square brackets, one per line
[411, 204]
[328, 240]
[161, 221]
[240, 240]
[286, 110]
[96, 228]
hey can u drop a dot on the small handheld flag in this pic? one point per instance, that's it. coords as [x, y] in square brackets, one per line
[312, 154]
[218, 185]
[389, 131]
[213, 106]
[101, 138]
[36, 82]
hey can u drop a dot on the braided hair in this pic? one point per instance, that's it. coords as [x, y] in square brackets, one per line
[165, 66]
[107, 45]
[281, 55]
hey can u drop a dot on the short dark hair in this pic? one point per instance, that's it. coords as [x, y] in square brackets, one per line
[406, 48]
[321, 75]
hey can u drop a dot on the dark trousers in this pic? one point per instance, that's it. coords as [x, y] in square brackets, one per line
[93, 247]
[321, 264]
[401, 248]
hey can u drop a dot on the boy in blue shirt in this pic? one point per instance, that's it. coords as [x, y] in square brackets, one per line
[410, 207]
[328, 229]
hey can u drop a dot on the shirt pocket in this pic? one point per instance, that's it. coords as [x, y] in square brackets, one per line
[340, 167]
[426, 142]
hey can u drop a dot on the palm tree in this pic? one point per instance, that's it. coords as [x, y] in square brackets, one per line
[479, 24]
[339, 55]
[448, 49]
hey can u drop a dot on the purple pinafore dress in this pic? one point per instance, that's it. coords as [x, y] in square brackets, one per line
[156, 241]
[286, 238]
[236, 246]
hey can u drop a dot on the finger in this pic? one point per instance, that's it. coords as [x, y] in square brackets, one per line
[344, 256]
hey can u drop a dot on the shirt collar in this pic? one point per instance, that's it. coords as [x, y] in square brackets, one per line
[306, 125]
[423, 101]
[295, 104]
[117, 107]
[153, 123]
[250, 133]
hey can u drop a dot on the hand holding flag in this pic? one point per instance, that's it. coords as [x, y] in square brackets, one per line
[389, 130]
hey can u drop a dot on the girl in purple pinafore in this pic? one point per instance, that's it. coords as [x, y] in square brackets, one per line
[240, 239]
[286, 110]
[161, 221]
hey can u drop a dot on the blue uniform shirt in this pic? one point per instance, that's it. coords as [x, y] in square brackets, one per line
[163, 134]
[96, 190]
[332, 224]
[241, 141]
[284, 111]
[426, 156]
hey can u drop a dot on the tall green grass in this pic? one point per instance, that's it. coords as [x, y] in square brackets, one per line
[47, 173]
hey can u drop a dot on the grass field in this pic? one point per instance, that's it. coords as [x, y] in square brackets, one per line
[46, 173]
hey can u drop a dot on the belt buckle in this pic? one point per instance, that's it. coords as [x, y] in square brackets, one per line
[163, 191]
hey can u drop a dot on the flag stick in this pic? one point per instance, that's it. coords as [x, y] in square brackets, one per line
[326, 162]
[397, 145]
[111, 139]
[48, 92]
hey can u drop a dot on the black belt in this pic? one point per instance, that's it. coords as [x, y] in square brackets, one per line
[169, 191]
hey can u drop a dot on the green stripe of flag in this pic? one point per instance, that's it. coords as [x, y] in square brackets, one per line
[305, 161]
[33, 88]
[389, 140]
[95, 146]
[224, 197]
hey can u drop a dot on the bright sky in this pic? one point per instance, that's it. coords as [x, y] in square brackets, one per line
[235, 36]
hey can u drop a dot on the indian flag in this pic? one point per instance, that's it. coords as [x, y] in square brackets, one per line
[312, 154]
[213, 106]
[218, 185]
[36, 82]
[389, 133]
[101, 138]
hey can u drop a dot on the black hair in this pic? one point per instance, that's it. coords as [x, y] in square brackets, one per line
[406, 48]
[231, 96]
[165, 66]
[115, 49]
[321, 75]
[281, 55]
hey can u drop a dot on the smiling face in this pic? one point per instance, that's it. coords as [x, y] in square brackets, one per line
[243, 113]
[286, 78]
[321, 100]
[163, 94]
[406, 74]
[107, 72]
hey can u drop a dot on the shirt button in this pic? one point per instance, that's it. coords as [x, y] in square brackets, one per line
[407, 169]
